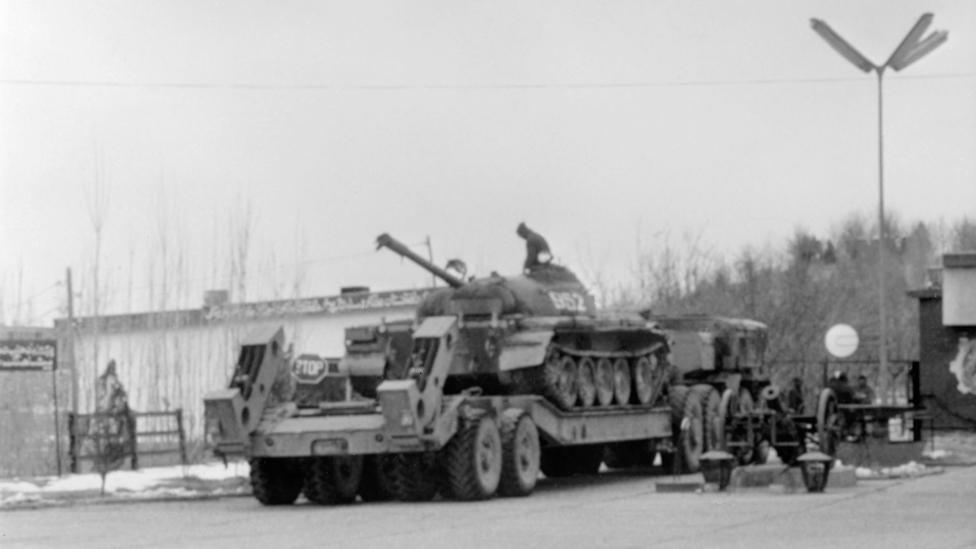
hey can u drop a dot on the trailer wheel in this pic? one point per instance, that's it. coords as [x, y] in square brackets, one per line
[520, 454]
[603, 379]
[473, 460]
[333, 479]
[416, 476]
[621, 381]
[379, 480]
[586, 381]
[561, 380]
[711, 404]
[276, 481]
[829, 422]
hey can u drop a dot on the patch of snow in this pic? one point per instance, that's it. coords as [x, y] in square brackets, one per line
[936, 454]
[910, 469]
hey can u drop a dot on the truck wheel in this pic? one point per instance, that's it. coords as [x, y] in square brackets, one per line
[379, 482]
[562, 378]
[473, 460]
[711, 403]
[520, 454]
[416, 476]
[603, 379]
[275, 481]
[586, 381]
[333, 479]
[621, 381]
[736, 436]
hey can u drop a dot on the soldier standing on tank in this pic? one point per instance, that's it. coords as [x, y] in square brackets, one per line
[535, 246]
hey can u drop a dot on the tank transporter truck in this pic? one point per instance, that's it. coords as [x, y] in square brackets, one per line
[489, 396]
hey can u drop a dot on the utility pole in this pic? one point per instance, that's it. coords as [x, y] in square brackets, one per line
[69, 346]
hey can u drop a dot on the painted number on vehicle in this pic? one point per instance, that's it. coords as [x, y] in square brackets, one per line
[309, 369]
[571, 302]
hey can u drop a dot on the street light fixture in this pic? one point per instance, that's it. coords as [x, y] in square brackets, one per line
[912, 48]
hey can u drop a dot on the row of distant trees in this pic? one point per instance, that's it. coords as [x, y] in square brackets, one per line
[804, 285]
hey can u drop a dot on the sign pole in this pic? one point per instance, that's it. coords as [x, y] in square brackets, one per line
[57, 411]
[69, 346]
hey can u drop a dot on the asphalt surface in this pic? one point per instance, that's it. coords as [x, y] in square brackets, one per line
[611, 510]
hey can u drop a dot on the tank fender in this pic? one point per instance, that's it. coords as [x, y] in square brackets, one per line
[524, 349]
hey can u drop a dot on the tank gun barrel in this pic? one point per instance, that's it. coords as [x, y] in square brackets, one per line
[386, 241]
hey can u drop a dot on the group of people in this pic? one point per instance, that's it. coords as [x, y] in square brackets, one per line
[861, 393]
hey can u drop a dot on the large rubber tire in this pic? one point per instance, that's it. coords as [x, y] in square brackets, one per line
[276, 481]
[736, 437]
[586, 381]
[561, 380]
[711, 403]
[520, 454]
[416, 476]
[379, 478]
[473, 460]
[333, 479]
[603, 379]
[622, 386]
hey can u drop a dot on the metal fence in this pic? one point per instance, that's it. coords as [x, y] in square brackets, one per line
[151, 433]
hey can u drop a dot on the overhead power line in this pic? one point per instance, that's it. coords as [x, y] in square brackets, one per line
[452, 87]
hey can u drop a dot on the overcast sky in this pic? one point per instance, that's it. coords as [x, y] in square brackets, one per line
[600, 124]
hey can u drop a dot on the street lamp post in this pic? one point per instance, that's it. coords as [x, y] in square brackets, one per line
[912, 48]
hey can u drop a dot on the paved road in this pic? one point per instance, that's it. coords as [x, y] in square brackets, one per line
[611, 511]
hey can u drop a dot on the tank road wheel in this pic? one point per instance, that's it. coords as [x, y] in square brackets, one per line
[621, 381]
[561, 380]
[333, 479]
[647, 379]
[520, 454]
[711, 405]
[415, 476]
[276, 481]
[473, 460]
[829, 422]
[603, 379]
[379, 481]
[586, 381]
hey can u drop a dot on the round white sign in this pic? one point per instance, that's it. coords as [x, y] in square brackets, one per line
[841, 340]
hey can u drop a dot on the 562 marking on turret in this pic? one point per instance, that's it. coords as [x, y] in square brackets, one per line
[569, 302]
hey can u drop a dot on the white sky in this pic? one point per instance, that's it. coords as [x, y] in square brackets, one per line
[597, 123]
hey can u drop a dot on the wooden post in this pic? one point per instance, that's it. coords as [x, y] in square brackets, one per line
[179, 427]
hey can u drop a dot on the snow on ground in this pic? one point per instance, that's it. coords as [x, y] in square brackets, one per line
[153, 482]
